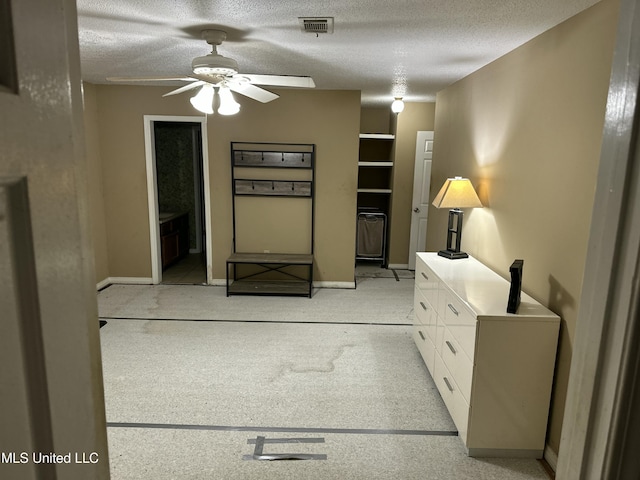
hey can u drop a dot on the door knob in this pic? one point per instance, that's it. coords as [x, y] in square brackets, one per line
[417, 210]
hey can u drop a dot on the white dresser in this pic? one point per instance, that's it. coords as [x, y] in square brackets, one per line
[493, 369]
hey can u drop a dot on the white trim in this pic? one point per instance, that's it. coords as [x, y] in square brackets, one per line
[600, 420]
[398, 266]
[204, 138]
[550, 457]
[216, 282]
[350, 285]
[152, 199]
[126, 281]
[104, 283]
[152, 190]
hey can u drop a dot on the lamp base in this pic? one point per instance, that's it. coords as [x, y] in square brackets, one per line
[452, 255]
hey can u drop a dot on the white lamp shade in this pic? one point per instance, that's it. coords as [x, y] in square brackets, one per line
[228, 104]
[457, 192]
[203, 100]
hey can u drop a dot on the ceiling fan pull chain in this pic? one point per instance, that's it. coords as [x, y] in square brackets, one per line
[253, 187]
[293, 187]
[303, 158]
[262, 153]
[283, 156]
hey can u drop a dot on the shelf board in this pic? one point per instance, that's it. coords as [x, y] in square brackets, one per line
[374, 190]
[273, 258]
[377, 136]
[268, 287]
[375, 164]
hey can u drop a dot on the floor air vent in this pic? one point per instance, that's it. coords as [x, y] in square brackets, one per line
[316, 24]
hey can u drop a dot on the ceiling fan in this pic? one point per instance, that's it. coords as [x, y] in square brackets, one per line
[214, 71]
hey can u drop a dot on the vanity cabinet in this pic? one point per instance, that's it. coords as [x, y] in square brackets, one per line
[494, 370]
[174, 237]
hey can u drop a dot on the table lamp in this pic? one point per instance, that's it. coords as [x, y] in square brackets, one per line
[455, 194]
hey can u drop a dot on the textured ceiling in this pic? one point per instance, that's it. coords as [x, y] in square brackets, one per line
[410, 48]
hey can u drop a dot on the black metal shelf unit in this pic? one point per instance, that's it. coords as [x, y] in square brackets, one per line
[271, 273]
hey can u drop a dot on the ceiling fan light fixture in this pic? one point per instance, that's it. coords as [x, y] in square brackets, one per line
[214, 64]
[228, 104]
[398, 105]
[203, 100]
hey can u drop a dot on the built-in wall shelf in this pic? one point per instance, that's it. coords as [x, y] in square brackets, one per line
[375, 173]
[377, 136]
[375, 164]
[374, 190]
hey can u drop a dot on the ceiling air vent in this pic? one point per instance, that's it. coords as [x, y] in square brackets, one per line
[316, 24]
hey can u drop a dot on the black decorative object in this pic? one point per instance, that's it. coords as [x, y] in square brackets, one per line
[454, 236]
[516, 286]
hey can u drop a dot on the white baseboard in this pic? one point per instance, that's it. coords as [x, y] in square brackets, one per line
[399, 266]
[350, 285]
[217, 282]
[551, 457]
[125, 280]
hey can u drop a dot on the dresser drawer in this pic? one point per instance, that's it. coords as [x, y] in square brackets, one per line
[424, 314]
[460, 322]
[427, 282]
[453, 398]
[425, 346]
[458, 364]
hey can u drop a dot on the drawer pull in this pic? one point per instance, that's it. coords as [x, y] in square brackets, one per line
[424, 307]
[453, 309]
[453, 350]
[424, 275]
[421, 335]
[446, 380]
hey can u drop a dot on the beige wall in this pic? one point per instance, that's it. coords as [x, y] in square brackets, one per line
[415, 117]
[527, 131]
[94, 183]
[377, 120]
[330, 119]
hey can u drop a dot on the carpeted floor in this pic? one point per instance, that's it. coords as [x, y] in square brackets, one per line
[193, 379]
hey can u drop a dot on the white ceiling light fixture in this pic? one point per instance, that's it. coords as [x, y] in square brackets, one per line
[228, 104]
[203, 100]
[398, 105]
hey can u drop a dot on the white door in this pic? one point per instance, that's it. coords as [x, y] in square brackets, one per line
[420, 203]
[50, 368]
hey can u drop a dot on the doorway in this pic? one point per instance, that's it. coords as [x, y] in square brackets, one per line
[177, 174]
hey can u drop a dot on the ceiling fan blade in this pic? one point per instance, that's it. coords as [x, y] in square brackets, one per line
[251, 91]
[184, 88]
[151, 79]
[280, 80]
